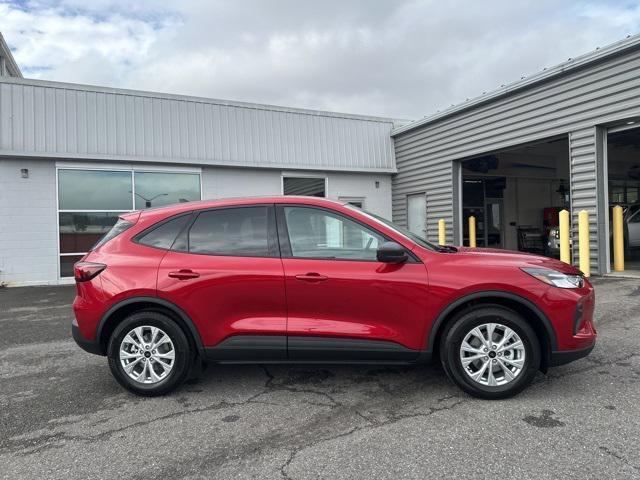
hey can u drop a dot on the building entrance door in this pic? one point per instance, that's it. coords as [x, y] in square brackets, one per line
[417, 214]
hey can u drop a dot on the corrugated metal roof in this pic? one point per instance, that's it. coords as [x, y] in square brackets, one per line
[11, 65]
[571, 65]
[193, 98]
[63, 120]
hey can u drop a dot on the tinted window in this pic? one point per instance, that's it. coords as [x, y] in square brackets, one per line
[120, 226]
[94, 190]
[163, 235]
[315, 233]
[155, 189]
[80, 231]
[231, 231]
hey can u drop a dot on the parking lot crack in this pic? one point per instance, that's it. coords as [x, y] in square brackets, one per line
[619, 457]
[28, 446]
[370, 425]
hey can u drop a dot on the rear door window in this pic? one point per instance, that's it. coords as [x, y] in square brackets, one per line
[241, 232]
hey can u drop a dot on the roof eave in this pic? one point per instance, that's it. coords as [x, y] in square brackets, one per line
[12, 66]
[564, 68]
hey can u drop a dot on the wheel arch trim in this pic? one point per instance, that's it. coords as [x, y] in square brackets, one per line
[188, 323]
[488, 294]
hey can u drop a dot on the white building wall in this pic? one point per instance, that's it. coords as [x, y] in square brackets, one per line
[220, 182]
[377, 199]
[28, 243]
[28, 207]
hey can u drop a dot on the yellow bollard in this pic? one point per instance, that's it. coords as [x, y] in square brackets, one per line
[442, 236]
[565, 252]
[618, 240]
[472, 231]
[583, 242]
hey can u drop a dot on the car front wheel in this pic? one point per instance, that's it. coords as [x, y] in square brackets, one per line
[149, 354]
[490, 352]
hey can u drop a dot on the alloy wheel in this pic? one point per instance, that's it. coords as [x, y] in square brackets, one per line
[492, 354]
[147, 354]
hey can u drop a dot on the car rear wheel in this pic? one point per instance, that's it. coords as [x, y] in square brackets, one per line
[490, 352]
[149, 354]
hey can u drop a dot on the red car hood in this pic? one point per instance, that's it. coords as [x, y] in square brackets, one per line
[507, 257]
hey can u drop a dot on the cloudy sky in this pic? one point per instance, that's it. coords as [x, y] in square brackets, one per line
[404, 59]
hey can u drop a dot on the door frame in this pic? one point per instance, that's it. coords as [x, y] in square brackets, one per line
[602, 160]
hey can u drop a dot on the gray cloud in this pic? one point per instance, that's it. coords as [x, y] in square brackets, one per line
[400, 59]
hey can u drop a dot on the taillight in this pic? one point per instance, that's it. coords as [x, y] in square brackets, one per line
[84, 271]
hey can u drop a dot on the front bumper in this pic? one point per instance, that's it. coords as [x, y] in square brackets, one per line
[568, 356]
[90, 346]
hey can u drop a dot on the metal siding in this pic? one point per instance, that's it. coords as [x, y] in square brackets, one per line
[584, 191]
[71, 121]
[604, 92]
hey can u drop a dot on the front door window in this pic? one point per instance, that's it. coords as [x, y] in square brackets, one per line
[316, 233]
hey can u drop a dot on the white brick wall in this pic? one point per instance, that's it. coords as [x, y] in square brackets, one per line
[220, 182]
[28, 243]
[377, 200]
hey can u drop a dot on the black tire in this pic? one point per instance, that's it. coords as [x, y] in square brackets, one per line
[455, 333]
[183, 354]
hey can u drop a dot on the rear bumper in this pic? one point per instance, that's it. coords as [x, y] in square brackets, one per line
[90, 346]
[568, 356]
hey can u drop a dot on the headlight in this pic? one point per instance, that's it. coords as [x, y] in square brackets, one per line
[555, 278]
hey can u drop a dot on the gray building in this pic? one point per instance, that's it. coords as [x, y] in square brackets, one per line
[73, 157]
[8, 66]
[566, 137]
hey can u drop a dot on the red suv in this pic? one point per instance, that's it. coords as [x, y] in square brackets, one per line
[308, 280]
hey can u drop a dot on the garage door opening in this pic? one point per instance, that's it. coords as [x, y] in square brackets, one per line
[623, 165]
[515, 196]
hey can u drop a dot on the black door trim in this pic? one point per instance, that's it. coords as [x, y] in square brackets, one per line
[249, 349]
[306, 349]
[348, 350]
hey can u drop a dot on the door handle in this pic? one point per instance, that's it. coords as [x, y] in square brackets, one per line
[184, 274]
[311, 277]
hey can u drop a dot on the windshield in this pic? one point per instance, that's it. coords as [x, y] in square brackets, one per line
[401, 230]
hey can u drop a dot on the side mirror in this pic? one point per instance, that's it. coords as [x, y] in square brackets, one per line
[391, 252]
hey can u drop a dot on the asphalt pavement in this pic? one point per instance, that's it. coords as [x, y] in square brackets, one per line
[63, 416]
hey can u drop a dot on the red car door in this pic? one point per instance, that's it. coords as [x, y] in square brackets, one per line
[225, 272]
[342, 303]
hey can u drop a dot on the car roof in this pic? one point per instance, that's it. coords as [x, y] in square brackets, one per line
[150, 216]
[239, 201]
